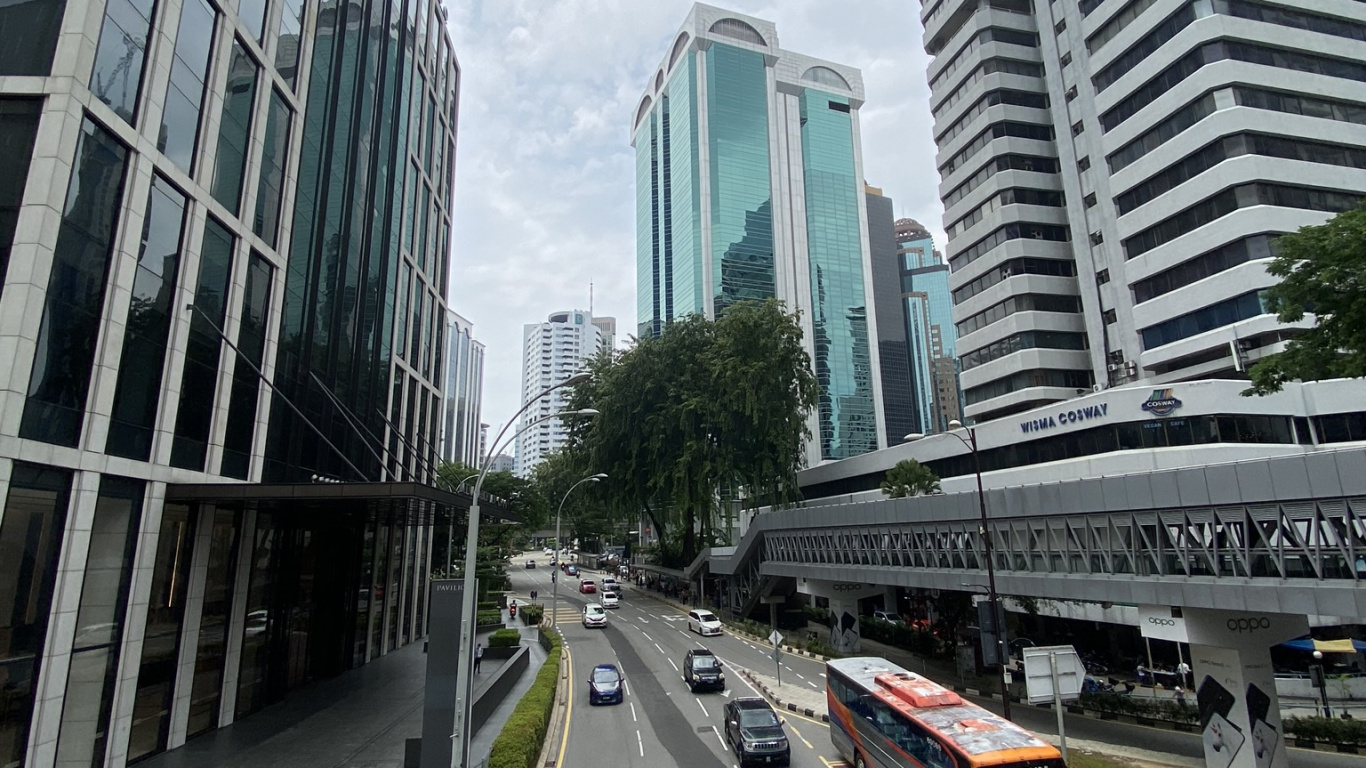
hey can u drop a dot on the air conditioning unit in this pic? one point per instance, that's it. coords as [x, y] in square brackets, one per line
[1097, 388]
[1112, 367]
[1131, 368]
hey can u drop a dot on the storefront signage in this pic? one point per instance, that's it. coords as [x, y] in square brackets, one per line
[1065, 417]
[1160, 402]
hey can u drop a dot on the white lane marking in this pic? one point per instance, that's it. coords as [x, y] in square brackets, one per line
[813, 685]
[685, 634]
[704, 709]
[633, 710]
[800, 676]
[789, 669]
[719, 738]
[647, 637]
[822, 674]
[672, 664]
[640, 743]
[661, 650]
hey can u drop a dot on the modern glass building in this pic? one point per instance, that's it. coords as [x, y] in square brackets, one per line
[223, 228]
[930, 333]
[901, 415]
[460, 433]
[749, 185]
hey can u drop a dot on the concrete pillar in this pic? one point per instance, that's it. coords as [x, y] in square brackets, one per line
[1235, 689]
[844, 609]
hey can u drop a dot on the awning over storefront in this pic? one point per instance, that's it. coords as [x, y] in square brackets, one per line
[342, 497]
[1327, 646]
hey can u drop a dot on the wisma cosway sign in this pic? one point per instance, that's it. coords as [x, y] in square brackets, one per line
[1065, 417]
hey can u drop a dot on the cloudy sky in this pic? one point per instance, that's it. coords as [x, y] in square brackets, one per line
[544, 178]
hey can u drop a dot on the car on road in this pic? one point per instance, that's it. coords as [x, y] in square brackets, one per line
[701, 669]
[755, 732]
[531, 563]
[587, 587]
[609, 600]
[594, 616]
[703, 623]
[572, 570]
[606, 685]
[886, 616]
[548, 552]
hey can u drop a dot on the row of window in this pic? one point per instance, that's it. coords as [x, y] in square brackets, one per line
[1238, 145]
[1161, 133]
[988, 35]
[906, 734]
[1049, 377]
[1217, 315]
[1025, 302]
[1293, 18]
[1222, 50]
[989, 67]
[1121, 66]
[1301, 104]
[1116, 24]
[1022, 341]
[991, 133]
[1011, 196]
[1205, 265]
[989, 100]
[1230, 200]
[998, 164]
[1021, 266]
[1020, 230]
[18, 129]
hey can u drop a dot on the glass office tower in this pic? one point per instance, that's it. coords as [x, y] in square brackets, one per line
[207, 207]
[749, 186]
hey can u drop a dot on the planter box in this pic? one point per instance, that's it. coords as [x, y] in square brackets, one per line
[1148, 721]
[1304, 743]
[1076, 710]
[1109, 716]
[1184, 727]
[1350, 749]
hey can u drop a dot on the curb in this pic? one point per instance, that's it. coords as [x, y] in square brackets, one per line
[786, 648]
[824, 717]
[550, 749]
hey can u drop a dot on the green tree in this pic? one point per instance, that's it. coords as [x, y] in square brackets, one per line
[1323, 271]
[521, 495]
[706, 412]
[910, 478]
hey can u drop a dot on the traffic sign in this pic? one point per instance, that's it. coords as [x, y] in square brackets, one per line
[775, 638]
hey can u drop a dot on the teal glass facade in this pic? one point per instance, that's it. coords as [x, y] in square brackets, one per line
[649, 277]
[684, 220]
[839, 312]
[741, 188]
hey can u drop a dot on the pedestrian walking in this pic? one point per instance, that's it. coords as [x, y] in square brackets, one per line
[478, 656]
[1180, 695]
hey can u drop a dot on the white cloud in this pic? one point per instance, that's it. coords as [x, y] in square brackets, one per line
[544, 180]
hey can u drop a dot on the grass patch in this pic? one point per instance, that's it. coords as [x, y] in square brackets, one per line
[523, 735]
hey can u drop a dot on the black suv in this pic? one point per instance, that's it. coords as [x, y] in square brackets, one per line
[755, 732]
[701, 669]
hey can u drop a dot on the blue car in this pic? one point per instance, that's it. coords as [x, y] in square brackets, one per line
[606, 685]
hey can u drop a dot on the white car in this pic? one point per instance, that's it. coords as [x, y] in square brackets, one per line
[609, 600]
[549, 551]
[594, 616]
[610, 584]
[704, 623]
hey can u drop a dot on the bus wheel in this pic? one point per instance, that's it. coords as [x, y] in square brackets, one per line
[858, 760]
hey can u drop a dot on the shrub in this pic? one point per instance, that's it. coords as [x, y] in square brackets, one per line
[487, 605]
[1327, 730]
[520, 742]
[531, 614]
[485, 618]
[505, 638]
[1137, 706]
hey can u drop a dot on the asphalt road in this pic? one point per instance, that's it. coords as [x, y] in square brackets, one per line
[663, 724]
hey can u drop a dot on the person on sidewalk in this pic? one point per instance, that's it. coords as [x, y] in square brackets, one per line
[478, 656]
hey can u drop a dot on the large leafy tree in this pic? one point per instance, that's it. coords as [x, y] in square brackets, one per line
[910, 478]
[522, 497]
[705, 412]
[1323, 271]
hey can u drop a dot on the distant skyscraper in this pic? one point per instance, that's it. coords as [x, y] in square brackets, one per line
[749, 186]
[502, 463]
[552, 352]
[460, 438]
[930, 333]
[898, 403]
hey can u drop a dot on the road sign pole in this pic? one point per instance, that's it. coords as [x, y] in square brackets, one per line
[1057, 703]
[777, 639]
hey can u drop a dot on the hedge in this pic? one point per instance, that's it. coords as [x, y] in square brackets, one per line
[1139, 706]
[505, 638]
[485, 618]
[531, 614]
[519, 743]
[1327, 730]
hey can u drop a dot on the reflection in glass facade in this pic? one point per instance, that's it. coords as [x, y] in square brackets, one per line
[181, 116]
[273, 157]
[749, 186]
[234, 130]
[18, 125]
[195, 414]
[246, 381]
[117, 77]
[75, 293]
[29, 29]
[138, 391]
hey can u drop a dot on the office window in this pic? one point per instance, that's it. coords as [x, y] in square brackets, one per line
[253, 16]
[117, 77]
[1084, 164]
[161, 640]
[1078, 128]
[1111, 317]
[1206, 264]
[1090, 200]
[30, 543]
[1102, 277]
[138, 389]
[246, 382]
[211, 654]
[75, 295]
[1060, 27]
[1065, 59]
[1216, 315]
[99, 623]
[18, 125]
[404, 290]
[234, 132]
[199, 384]
[29, 29]
[273, 160]
[290, 41]
[263, 616]
[180, 120]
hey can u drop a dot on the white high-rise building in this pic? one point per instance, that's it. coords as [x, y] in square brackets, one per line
[1114, 173]
[552, 352]
[461, 433]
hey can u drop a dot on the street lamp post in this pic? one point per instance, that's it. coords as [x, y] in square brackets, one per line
[555, 590]
[450, 531]
[463, 682]
[985, 533]
[1316, 677]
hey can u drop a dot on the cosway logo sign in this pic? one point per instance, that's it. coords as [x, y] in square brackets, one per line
[1065, 417]
[1161, 402]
